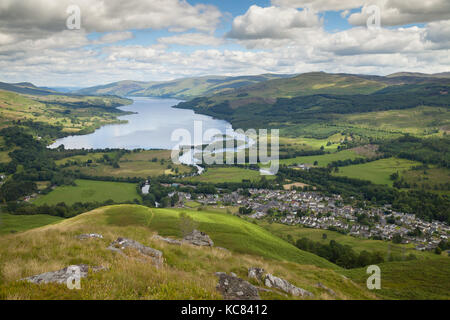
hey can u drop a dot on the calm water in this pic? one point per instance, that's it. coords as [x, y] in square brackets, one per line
[150, 128]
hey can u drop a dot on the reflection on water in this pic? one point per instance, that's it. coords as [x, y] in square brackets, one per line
[150, 128]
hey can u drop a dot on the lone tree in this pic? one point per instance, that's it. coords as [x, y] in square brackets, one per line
[187, 224]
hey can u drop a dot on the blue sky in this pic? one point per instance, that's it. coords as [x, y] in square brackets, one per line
[165, 39]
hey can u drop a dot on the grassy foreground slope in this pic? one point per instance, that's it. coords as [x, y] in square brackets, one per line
[188, 272]
[413, 280]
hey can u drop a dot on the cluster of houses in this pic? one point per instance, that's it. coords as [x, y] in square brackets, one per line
[314, 210]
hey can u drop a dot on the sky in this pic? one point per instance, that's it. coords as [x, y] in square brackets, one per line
[81, 43]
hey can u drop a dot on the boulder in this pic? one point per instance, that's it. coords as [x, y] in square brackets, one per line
[256, 273]
[123, 243]
[89, 236]
[234, 288]
[330, 291]
[168, 240]
[198, 238]
[61, 276]
[283, 285]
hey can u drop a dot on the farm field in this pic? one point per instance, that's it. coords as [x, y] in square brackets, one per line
[131, 169]
[90, 191]
[83, 158]
[11, 223]
[417, 121]
[302, 143]
[147, 155]
[231, 174]
[378, 171]
[323, 160]
[432, 179]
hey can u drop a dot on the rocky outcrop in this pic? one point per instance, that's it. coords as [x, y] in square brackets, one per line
[283, 285]
[234, 288]
[256, 273]
[61, 276]
[89, 236]
[168, 240]
[330, 291]
[198, 238]
[122, 244]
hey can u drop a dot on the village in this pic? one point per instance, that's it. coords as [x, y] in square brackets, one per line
[314, 210]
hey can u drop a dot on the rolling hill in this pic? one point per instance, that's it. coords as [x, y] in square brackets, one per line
[188, 271]
[185, 89]
[318, 98]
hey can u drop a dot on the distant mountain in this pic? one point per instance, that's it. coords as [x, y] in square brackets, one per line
[442, 75]
[312, 96]
[184, 89]
[63, 89]
[25, 88]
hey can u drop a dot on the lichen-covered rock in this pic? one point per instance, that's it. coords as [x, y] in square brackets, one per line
[234, 288]
[123, 243]
[61, 276]
[168, 240]
[283, 285]
[330, 291]
[256, 273]
[198, 238]
[89, 236]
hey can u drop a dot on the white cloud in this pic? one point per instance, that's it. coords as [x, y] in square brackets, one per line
[321, 5]
[400, 12]
[272, 23]
[439, 34]
[40, 17]
[114, 37]
[192, 39]
[36, 47]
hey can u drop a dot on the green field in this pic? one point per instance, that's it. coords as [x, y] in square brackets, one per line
[90, 191]
[389, 249]
[432, 179]
[140, 164]
[231, 174]
[140, 169]
[323, 160]
[302, 143]
[418, 121]
[83, 158]
[11, 223]
[377, 172]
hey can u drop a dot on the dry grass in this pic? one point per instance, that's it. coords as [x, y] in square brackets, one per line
[188, 271]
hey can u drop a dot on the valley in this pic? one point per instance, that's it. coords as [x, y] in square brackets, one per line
[364, 166]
